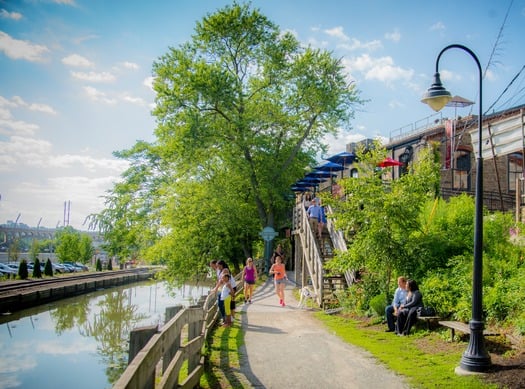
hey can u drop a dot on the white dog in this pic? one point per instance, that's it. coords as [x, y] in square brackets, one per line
[306, 293]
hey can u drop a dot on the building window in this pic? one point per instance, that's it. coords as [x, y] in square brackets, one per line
[515, 170]
[461, 176]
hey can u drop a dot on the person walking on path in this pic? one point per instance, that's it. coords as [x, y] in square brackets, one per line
[280, 277]
[290, 348]
[249, 275]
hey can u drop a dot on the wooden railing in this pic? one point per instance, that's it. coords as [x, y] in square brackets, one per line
[338, 241]
[310, 252]
[158, 363]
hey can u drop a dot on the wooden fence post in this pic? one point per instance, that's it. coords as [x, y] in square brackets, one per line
[170, 353]
[138, 338]
[194, 330]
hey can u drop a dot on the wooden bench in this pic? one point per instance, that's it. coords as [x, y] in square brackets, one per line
[428, 320]
[462, 327]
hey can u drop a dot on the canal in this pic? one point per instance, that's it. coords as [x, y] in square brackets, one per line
[82, 342]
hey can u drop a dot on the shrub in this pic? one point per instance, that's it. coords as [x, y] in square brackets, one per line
[99, 265]
[48, 269]
[37, 271]
[378, 304]
[110, 265]
[22, 270]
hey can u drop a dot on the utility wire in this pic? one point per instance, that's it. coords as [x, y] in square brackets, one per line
[505, 90]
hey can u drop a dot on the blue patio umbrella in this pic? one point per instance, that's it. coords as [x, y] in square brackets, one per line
[329, 167]
[344, 158]
[296, 188]
[304, 184]
[313, 180]
[320, 174]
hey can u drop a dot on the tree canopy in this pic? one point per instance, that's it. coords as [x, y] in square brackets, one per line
[241, 110]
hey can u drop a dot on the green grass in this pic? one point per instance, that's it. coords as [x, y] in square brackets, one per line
[425, 358]
[417, 357]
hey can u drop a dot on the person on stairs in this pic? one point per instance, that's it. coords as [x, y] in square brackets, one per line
[314, 214]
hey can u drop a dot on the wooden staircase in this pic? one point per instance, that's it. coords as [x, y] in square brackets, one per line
[310, 255]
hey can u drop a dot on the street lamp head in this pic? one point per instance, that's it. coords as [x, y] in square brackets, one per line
[436, 96]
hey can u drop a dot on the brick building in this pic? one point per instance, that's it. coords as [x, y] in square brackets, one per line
[503, 148]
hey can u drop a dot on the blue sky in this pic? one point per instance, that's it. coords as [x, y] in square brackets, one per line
[75, 79]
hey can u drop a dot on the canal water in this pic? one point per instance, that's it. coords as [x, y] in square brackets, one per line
[82, 342]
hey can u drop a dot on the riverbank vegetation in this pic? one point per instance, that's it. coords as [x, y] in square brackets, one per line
[406, 229]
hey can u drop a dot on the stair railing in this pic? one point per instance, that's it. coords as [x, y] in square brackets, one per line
[310, 251]
[338, 241]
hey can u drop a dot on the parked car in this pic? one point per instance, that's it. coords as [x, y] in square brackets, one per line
[58, 268]
[7, 270]
[82, 266]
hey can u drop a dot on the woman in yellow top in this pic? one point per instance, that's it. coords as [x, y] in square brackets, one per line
[279, 276]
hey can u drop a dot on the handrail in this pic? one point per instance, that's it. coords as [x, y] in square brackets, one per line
[310, 252]
[338, 241]
[166, 345]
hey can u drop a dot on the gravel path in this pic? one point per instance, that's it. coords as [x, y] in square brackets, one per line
[286, 347]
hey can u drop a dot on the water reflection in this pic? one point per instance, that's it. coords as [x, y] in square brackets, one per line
[82, 342]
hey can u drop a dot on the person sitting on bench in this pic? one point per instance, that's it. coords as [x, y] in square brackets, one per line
[407, 314]
[399, 298]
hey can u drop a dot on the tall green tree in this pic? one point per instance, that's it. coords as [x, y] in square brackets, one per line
[67, 246]
[241, 110]
[85, 248]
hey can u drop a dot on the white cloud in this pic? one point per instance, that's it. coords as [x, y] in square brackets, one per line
[439, 26]
[148, 82]
[337, 32]
[21, 150]
[490, 75]
[447, 75]
[134, 100]
[11, 126]
[394, 36]
[17, 101]
[10, 15]
[130, 65]
[85, 38]
[77, 61]
[17, 49]
[96, 95]
[94, 77]
[381, 69]
[65, 2]
[356, 44]
[42, 108]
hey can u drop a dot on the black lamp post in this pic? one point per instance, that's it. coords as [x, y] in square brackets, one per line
[475, 358]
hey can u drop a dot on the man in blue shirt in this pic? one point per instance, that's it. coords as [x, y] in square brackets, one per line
[399, 298]
[314, 214]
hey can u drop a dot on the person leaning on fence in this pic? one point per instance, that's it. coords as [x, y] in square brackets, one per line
[224, 299]
[407, 314]
[399, 298]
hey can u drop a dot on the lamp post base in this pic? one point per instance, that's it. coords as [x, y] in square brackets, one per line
[475, 358]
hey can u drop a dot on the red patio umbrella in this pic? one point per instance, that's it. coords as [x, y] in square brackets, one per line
[387, 162]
